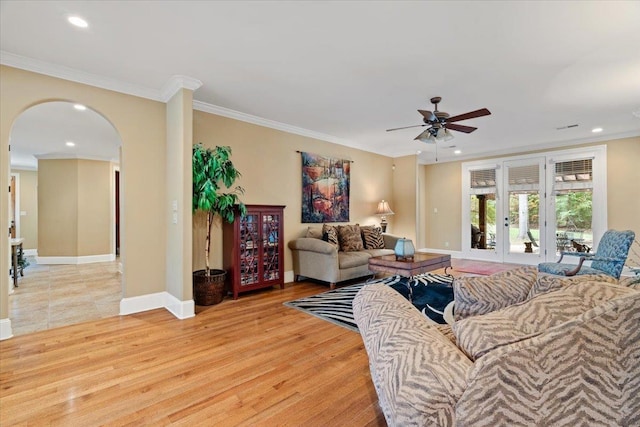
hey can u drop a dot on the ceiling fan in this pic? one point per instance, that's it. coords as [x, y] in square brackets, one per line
[439, 123]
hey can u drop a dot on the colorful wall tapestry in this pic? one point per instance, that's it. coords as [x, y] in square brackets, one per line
[325, 189]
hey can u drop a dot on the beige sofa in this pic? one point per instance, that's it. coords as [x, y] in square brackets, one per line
[567, 354]
[317, 259]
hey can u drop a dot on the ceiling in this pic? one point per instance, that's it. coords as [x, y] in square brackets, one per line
[347, 71]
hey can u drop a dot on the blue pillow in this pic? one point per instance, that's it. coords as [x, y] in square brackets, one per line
[429, 293]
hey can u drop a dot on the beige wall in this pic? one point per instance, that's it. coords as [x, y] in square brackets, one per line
[28, 205]
[141, 124]
[443, 205]
[404, 200]
[623, 181]
[271, 174]
[443, 191]
[58, 208]
[75, 208]
[95, 196]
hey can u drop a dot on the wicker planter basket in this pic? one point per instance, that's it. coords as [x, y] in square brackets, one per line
[209, 290]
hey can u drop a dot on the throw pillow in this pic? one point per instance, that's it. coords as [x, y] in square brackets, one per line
[330, 234]
[476, 295]
[350, 238]
[430, 293]
[478, 335]
[551, 282]
[314, 232]
[372, 237]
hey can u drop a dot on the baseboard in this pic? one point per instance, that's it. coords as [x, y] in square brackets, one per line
[454, 254]
[5, 329]
[75, 259]
[180, 309]
[30, 252]
[288, 276]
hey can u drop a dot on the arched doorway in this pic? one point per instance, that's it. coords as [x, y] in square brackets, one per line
[69, 157]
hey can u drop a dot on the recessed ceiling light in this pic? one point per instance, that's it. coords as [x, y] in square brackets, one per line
[596, 130]
[457, 152]
[79, 107]
[78, 22]
[70, 144]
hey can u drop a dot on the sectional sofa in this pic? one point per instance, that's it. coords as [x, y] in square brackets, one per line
[526, 349]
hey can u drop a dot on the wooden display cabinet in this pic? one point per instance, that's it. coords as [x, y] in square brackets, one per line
[253, 249]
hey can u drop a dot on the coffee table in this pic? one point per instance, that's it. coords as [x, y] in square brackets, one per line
[422, 263]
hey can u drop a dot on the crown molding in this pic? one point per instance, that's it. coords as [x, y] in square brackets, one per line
[176, 83]
[554, 145]
[67, 156]
[59, 71]
[237, 115]
[168, 90]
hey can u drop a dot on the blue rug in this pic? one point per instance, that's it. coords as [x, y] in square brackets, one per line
[432, 294]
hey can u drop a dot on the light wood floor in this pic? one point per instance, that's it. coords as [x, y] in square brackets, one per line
[247, 362]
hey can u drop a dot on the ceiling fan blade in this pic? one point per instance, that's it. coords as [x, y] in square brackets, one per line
[460, 128]
[407, 127]
[470, 115]
[428, 115]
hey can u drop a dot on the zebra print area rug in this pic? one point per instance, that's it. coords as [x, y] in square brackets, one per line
[432, 294]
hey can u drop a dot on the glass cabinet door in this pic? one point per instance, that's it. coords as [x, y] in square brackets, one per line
[270, 246]
[249, 249]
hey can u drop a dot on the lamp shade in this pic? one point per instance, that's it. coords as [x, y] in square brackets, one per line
[384, 209]
[404, 250]
[435, 134]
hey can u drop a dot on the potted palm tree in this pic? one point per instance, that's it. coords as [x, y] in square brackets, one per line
[213, 173]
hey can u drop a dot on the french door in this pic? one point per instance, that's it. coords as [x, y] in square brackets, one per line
[523, 209]
[528, 209]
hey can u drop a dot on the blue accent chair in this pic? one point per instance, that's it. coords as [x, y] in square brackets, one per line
[610, 257]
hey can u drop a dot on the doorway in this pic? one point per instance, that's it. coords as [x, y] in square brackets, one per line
[61, 292]
[14, 206]
[528, 209]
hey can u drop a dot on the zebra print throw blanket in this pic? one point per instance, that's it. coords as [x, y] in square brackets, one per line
[432, 294]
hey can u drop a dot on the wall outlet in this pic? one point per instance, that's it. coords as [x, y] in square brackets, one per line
[435, 210]
[446, 244]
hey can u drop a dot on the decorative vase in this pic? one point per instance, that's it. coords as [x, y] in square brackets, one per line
[404, 250]
[208, 290]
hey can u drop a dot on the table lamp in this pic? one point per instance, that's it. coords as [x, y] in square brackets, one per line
[383, 210]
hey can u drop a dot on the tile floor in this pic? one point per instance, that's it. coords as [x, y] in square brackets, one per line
[50, 296]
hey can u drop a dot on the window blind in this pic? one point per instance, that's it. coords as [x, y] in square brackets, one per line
[574, 174]
[483, 181]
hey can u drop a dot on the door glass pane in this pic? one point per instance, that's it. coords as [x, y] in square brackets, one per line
[573, 187]
[483, 221]
[524, 209]
[483, 209]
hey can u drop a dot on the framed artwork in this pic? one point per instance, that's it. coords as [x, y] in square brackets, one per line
[325, 189]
